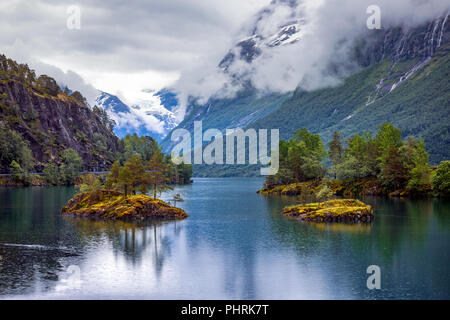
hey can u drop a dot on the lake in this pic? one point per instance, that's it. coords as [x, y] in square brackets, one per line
[234, 245]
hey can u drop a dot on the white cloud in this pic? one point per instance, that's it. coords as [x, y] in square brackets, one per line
[326, 38]
[124, 47]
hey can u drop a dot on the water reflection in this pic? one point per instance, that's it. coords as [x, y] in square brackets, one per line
[132, 240]
[235, 244]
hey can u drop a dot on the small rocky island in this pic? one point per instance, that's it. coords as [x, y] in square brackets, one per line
[112, 205]
[342, 210]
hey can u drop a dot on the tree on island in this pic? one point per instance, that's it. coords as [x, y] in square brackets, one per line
[71, 166]
[136, 175]
[157, 173]
[301, 158]
[383, 160]
[177, 198]
[88, 183]
[441, 179]
[335, 151]
[147, 147]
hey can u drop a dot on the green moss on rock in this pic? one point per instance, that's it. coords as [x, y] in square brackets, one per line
[346, 210]
[308, 188]
[111, 204]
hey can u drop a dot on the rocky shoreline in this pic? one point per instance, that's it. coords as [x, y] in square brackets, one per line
[366, 187]
[343, 210]
[112, 205]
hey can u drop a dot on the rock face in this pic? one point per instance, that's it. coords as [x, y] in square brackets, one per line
[112, 205]
[138, 114]
[346, 210]
[53, 121]
[402, 75]
[308, 188]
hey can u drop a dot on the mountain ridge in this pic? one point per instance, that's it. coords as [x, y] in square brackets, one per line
[51, 121]
[395, 65]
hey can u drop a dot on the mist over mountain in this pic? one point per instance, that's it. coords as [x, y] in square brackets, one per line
[325, 70]
[149, 118]
[298, 43]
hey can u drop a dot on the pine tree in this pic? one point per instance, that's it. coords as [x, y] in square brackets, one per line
[89, 183]
[137, 170]
[335, 151]
[125, 180]
[394, 174]
[420, 175]
[157, 173]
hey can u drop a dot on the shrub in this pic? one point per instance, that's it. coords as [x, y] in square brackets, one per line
[48, 85]
[89, 183]
[51, 174]
[441, 180]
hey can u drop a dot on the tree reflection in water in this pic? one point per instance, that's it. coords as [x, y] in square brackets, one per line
[132, 240]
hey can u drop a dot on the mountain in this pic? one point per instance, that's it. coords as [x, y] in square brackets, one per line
[238, 112]
[50, 120]
[251, 47]
[401, 76]
[149, 118]
[404, 79]
[249, 104]
[168, 99]
[111, 104]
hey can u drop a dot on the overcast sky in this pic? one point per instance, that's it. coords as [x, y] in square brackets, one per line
[123, 47]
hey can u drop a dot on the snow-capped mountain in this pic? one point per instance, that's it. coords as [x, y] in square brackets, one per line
[111, 104]
[146, 117]
[396, 74]
[249, 48]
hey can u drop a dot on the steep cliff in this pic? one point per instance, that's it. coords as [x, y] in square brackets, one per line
[403, 79]
[400, 75]
[51, 120]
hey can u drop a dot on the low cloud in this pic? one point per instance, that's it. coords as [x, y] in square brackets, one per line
[132, 122]
[157, 39]
[328, 30]
[125, 47]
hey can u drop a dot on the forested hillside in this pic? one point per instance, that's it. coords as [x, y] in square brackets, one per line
[401, 76]
[39, 122]
[411, 91]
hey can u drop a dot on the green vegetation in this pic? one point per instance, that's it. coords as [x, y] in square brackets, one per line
[149, 151]
[441, 179]
[137, 175]
[144, 167]
[346, 210]
[89, 183]
[123, 195]
[71, 166]
[14, 148]
[177, 198]
[301, 159]
[335, 152]
[111, 204]
[19, 173]
[67, 172]
[39, 121]
[417, 106]
[380, 164]
[48, 85]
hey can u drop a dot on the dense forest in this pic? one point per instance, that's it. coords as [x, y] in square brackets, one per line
[385, 162]
[155, 167]
[143, 167]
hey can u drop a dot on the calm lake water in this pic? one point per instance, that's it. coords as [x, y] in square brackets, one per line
[234, 245]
